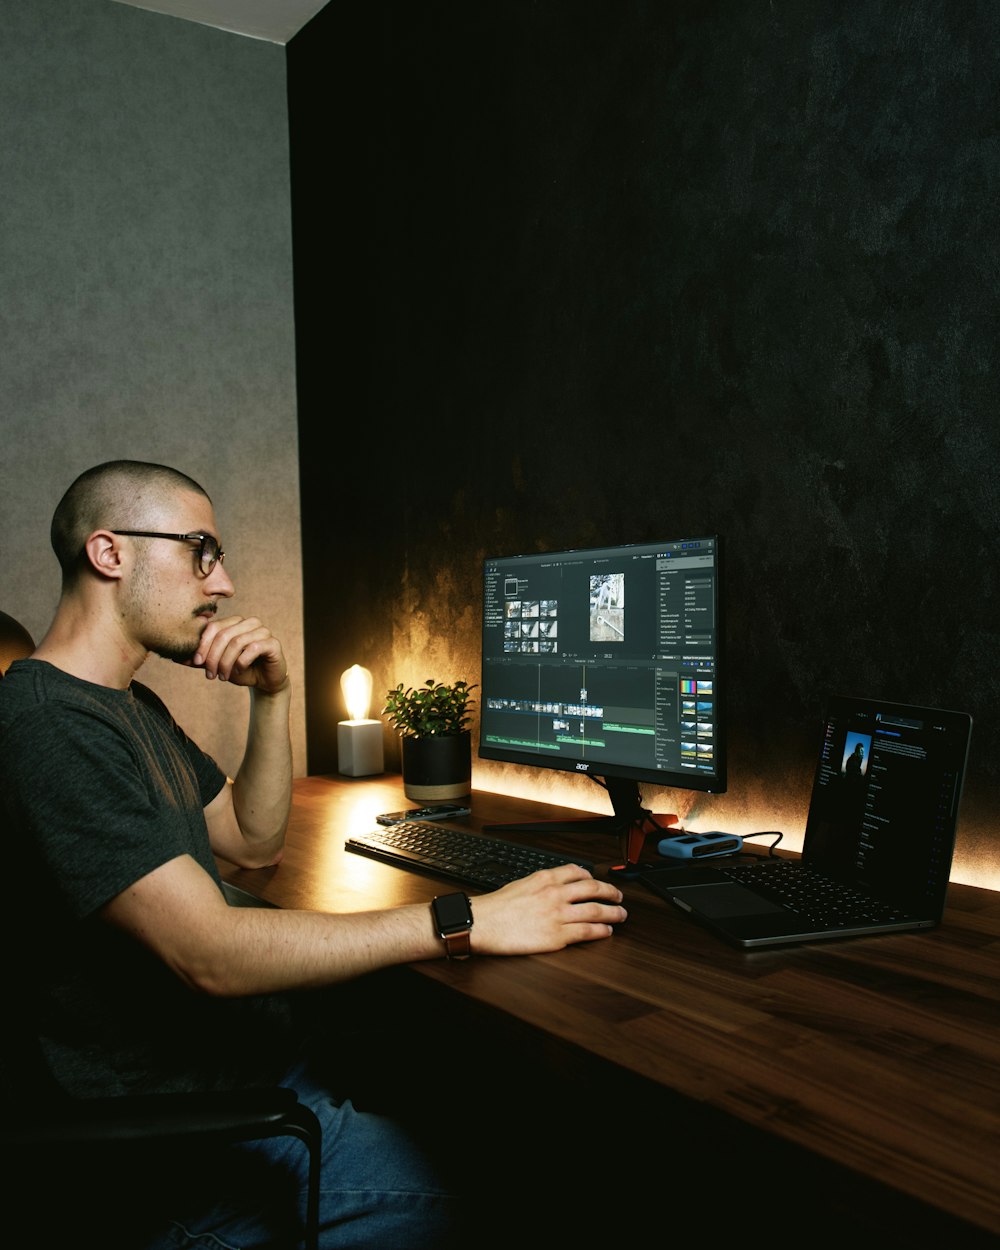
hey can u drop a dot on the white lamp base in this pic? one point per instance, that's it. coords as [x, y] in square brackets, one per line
[359, 748]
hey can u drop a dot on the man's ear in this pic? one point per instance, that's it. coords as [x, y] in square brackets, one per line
[104, 554]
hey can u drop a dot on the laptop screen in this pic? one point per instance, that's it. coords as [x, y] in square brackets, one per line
[885, 799]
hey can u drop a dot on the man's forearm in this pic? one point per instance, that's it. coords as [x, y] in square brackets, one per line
[262, 790]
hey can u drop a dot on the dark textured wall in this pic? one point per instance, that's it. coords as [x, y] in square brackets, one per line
[615, 271]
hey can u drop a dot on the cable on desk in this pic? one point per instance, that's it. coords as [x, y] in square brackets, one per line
[766, 833]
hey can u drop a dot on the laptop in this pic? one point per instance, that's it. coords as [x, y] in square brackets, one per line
[878, 843]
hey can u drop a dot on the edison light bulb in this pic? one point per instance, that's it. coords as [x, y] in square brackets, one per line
[356, 684]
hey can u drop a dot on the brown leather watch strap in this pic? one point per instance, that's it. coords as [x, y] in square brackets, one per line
[458, 945]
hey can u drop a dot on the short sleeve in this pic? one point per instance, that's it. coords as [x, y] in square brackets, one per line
[106, 800]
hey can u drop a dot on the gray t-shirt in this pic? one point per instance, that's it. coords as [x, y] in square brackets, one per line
[99, 787]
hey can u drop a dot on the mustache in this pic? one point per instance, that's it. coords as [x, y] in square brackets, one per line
[205, 608]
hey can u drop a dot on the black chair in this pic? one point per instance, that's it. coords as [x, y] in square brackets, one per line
[42, 1136]
[39, 1122]
[15, 642]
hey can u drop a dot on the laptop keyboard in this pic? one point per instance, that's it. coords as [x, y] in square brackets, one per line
[469, 858]
[810, 894]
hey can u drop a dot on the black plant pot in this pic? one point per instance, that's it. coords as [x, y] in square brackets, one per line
[437, 769]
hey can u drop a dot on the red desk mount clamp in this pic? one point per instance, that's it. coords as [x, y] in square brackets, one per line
[634, 838]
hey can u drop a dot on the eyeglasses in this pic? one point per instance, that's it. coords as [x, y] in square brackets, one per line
[209, 552]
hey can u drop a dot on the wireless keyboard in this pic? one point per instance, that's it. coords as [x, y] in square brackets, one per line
[459, 855]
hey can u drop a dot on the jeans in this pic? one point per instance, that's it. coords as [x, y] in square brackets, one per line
[379, 1188]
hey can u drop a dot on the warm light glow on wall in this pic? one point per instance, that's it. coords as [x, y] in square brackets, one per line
[757, 800]
[747, 808]
[695, 811]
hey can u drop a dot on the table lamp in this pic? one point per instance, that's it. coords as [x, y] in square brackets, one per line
[359, 740]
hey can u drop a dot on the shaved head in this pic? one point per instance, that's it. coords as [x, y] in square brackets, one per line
[120, 494]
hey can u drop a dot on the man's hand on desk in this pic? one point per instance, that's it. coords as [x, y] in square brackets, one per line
[546, 912]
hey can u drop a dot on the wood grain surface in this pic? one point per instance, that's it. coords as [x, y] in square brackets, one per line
[880, 1055]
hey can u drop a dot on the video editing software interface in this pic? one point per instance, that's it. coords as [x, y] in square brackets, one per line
[606, 658]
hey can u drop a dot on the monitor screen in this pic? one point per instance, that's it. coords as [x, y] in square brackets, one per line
[606, 661]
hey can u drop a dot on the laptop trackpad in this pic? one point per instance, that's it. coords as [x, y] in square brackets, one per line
[717, 901]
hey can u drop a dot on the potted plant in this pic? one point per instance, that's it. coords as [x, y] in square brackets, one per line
[435, 741]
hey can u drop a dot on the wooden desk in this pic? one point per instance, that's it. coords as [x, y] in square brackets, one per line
[879, 1057]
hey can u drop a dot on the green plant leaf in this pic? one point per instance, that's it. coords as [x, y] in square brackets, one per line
[435, 708]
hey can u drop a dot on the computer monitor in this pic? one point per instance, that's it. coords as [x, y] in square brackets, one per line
[607, 661]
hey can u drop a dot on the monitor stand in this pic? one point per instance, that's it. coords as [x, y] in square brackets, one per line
[629, 822]
[626, 802]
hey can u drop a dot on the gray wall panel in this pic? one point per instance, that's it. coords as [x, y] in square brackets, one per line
[146, 263]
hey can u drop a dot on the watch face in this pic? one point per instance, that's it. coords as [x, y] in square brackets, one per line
[452, 911]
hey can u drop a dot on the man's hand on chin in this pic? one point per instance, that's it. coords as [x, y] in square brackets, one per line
[240, 650]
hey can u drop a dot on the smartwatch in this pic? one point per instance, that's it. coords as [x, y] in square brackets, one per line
[453, 921]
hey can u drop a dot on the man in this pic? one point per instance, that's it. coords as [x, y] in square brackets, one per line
[854, 767]
[140, 976]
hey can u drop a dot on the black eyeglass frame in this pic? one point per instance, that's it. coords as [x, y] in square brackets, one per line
[209, 552]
